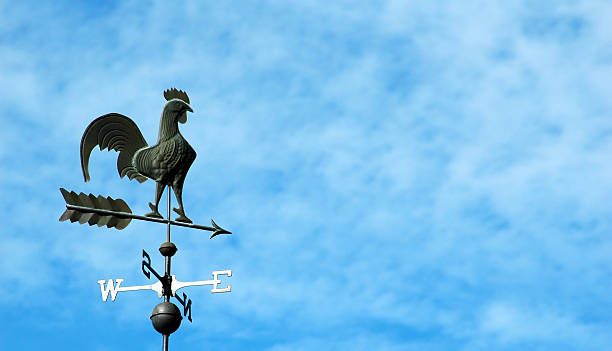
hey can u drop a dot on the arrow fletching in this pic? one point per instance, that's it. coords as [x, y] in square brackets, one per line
[84, 202]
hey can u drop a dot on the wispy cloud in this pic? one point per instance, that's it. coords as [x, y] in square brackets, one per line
[397, 176]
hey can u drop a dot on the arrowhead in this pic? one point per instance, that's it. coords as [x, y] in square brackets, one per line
[218, 230]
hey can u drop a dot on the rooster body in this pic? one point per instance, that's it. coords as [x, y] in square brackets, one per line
[166, 162]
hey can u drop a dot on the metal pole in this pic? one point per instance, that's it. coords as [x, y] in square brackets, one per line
[168, 237]
[168, 258]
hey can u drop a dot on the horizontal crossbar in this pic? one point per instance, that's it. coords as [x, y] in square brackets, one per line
[119, 214]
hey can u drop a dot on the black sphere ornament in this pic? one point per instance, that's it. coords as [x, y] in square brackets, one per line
[166, 318]
[167, 249]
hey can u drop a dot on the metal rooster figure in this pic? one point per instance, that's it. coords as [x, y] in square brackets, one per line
[166, 162]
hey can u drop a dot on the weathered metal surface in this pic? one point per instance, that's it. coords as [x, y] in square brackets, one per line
[115, 213]
[166, 162]
[97, 210]
[166, 318]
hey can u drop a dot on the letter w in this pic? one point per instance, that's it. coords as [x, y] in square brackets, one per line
[110, 287]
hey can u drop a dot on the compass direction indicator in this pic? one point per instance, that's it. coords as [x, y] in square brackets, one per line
[166, 163]
[186, 306]
[114, 288]
[176, 285]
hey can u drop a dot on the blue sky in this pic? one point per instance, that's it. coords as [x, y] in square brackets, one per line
[398, 175]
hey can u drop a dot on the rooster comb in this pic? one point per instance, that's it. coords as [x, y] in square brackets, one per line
[176, 94]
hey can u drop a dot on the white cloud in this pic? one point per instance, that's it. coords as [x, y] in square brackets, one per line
[509, 324]
[389, 167]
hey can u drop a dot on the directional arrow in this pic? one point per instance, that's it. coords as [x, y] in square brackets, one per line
[115, 287]
[167, 285]
[176, 285]
[186, 302]
[115, 213]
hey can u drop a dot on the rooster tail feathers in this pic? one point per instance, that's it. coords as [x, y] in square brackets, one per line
[117, 132]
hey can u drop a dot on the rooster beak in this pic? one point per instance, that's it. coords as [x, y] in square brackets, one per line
[182, 116]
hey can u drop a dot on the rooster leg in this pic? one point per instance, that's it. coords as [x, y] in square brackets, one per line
[159, 190]
[178, 193]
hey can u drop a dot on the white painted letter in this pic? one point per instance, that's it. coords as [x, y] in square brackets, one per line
[110, 287]
[217, 281]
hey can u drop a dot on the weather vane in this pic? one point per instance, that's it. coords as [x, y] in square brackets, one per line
[167, 163]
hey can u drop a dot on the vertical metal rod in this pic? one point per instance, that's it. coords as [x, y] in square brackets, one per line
[169, 196]
[168, 258]
[168, 294]
[169, 278]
